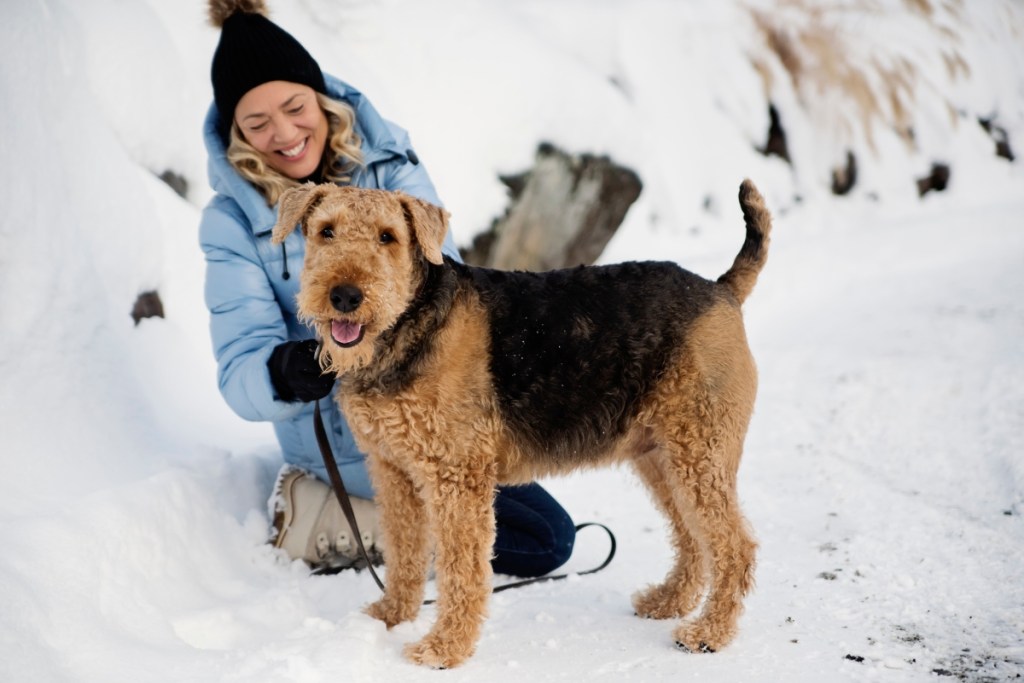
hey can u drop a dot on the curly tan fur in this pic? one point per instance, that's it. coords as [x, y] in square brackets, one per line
[462, 378]
[220, 10]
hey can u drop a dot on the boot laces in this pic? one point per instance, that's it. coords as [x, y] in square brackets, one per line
[341, 552]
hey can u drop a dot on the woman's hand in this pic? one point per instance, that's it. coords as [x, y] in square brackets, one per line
[296, 372]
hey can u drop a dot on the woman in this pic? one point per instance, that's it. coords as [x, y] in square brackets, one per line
[277, 121]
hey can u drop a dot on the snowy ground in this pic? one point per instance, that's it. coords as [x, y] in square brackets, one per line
[884, 470]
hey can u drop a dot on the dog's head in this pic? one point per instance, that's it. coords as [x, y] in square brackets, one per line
[366, 254]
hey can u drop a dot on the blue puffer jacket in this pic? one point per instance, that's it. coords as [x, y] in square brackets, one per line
[251, 284]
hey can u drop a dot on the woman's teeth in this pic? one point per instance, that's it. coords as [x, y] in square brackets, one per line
[296, 150]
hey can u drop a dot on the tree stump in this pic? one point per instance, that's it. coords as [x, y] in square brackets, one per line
[563, 212]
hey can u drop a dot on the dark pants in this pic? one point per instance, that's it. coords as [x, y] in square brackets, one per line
[535, 534]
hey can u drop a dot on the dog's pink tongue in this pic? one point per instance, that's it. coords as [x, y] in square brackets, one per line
[343, 332]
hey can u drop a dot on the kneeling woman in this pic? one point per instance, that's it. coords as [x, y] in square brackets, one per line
[278, 121]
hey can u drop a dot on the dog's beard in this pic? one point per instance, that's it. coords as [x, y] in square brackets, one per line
[342, 359]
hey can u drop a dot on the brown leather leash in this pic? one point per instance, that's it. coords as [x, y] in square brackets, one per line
[341, 493]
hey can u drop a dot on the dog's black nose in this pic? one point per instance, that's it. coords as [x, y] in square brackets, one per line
[346, 298]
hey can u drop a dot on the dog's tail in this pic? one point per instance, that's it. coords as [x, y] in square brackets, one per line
[741, 277]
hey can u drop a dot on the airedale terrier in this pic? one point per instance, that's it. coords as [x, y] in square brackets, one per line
[456, 378]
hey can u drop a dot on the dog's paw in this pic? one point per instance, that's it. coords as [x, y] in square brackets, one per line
[704, 647]
[436, 653]
[700, 636]
[664, 602]
[390, 612]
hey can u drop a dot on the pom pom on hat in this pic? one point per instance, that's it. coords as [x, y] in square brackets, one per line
[220, 10]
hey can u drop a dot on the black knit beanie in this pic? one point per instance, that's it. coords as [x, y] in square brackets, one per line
[252, 51]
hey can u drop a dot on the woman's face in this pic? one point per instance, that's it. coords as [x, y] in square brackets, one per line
[284, 123]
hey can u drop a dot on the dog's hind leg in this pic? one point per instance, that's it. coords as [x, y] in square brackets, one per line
[462, 514]
[680, 592]
[708, 486]
[406, 544]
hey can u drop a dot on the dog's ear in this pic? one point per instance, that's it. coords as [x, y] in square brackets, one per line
[293, 207]
[428, 223]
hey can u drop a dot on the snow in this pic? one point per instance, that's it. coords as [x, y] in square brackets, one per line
[884, 469]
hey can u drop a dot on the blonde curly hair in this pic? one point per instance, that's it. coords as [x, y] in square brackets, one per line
[342, 154]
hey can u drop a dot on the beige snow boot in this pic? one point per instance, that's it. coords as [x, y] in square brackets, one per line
[311, 525]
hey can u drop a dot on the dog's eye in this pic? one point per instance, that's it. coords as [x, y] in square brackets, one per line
[387, 237]
[328, 232]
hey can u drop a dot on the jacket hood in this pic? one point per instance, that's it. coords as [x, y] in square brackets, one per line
[378, 144]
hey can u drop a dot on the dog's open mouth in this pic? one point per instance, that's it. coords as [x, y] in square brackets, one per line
[346, 333]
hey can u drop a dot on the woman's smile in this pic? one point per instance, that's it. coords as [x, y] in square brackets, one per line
[296, 151]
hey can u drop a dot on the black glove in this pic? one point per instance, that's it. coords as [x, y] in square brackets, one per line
[296, 374]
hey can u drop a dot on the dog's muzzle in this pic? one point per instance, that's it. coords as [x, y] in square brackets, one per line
[346, 299]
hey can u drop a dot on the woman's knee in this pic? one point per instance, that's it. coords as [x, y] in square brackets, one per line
[535, 534]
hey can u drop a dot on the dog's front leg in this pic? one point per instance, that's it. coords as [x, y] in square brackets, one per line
[462, 507]
[406, 543]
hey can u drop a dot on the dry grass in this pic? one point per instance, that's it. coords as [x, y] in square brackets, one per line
[839, 76]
